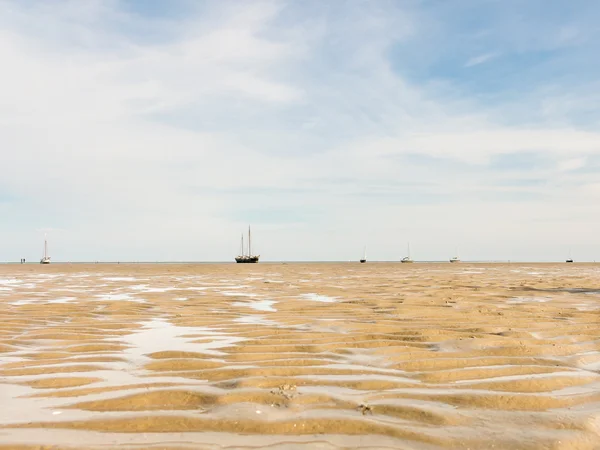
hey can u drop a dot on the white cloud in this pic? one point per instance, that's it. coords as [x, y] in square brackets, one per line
[480, 59]
[569, 164]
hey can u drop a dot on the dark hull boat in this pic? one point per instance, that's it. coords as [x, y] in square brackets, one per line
[364, 258]
[247, 258]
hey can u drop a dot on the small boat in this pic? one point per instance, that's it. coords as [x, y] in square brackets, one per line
[364, 258]
[407, 258]
[569, 259]
[244, 257]
[455, 259]
[45, 259]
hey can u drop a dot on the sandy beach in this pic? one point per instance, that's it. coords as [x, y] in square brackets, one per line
[288, 356]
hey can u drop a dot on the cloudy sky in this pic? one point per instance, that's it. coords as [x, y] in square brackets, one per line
[155, 130]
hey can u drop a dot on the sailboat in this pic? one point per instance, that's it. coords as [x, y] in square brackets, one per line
[244, 257]
[407, 258]
[456, 258]
[45, 259]
[569, 259]
[364, 258]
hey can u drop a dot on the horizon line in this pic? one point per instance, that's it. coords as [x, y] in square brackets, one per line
[491, 261]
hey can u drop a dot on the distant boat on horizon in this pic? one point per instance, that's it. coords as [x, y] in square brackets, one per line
[569, 259]
[244, 257]
[45, 259]
[456, 258]
[407, 258]
[364, 258]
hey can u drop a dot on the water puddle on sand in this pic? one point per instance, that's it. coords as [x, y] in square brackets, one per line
[362, 377]
[318, 298]
[255, 320]
[587, 307]
[529, 376]
[206, 439]
[63, 300]
[159, 335]
[258, 305]
[21, 405]
[10, 281]
[362, 368]
[120, 279]
[520, 300]
[589, 361]
[18, 408]
[592, 388]
[21, 302]
[144, 288]
[113, 296]
[233, 286]
[237, 294]
[42, 301]
[48, 276]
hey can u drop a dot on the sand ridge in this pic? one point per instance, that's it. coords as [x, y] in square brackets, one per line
[423, 356]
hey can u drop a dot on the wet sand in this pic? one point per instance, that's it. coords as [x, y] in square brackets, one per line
[286, 356]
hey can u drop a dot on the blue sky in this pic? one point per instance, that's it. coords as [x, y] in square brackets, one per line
[153, 130]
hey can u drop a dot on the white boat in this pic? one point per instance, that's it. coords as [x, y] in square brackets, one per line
[455, 259]
[45, 259]
[364, 258]
[407, 258]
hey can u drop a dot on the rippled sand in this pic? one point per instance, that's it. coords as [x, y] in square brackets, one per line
[421, 356]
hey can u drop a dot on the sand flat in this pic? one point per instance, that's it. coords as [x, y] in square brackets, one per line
[421, 356]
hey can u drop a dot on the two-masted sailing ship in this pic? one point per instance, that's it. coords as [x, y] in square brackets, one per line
[45, 259]
[246, 257]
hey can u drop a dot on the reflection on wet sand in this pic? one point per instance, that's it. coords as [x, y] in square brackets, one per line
[422, 356]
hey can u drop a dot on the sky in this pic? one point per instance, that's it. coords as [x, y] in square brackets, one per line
[147, 130]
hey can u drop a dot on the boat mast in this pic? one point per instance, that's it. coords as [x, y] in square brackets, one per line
[409, 250]
[45, 246]
[365, 253]
[249, 243]
[242, 246]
